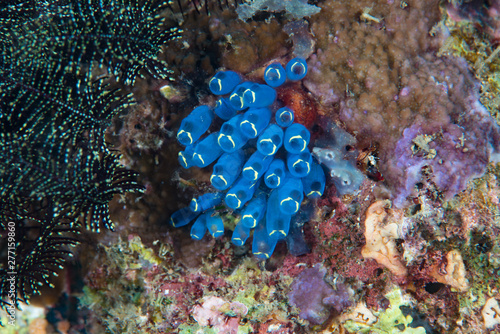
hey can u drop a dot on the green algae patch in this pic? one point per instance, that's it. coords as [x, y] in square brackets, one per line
[392, 320]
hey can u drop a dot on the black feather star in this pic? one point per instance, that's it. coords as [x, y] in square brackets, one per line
[124, 36]
[57, 173]
[35, 259]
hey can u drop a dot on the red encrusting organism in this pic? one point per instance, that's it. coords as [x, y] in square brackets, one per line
[303, 105]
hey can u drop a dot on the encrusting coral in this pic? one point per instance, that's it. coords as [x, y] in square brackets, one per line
[384, 80]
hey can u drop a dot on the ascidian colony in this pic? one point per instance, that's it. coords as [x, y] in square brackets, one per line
[250, 166]
[247, 151]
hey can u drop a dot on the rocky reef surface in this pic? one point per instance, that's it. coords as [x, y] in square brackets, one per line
[410, 91]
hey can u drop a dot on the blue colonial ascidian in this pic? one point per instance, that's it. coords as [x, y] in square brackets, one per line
[207, 151]
[296, 69]
[254, 211]
[223, 82]
[227, 169]
[262, 166]
[215, 225]
[314, 182]
[205, 202]
[277, 221]
[259, 96]
[230, 137]
[199, 227]
[182, 217]
[224, 110]
[290, 195]
[186, 157]
[263, 245]
[284, 117]
[256, 166]
[270, 140]
[240, 193]
[275, 174]
[275, 75]
[240, 234]
[296, 138]
[195, 125]
[254, 121]
[299, 165]
[236, 98]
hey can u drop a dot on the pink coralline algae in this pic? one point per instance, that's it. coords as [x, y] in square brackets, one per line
[220, 314]
[316, 298]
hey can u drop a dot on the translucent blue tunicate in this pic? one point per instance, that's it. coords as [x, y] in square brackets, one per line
[215, 225]
[241, 192]
[299, 165]
[254, 211]
[275, 174]
[223, 82]
[296, 69]
[224, 110]
[262, 246]
[231, 138]
[254, 121]
[199, 227]
[227, 169]
[256, 166]
[207, 150]
[346, 177]
[290, 195]
[182, 217]
[236, 100]
[314, 182]
[205, 202]
[296, 138]
[186, 157]
[240, 234]
[277, 221]
[275, 75]
[284, 117]
[295, 239]
[194, 125]
[245, 151]
[270, 140]
[259, 96]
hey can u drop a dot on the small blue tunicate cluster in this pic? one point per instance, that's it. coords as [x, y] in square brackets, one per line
[262, 165]
[339, 160]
